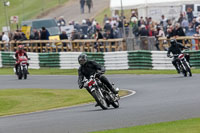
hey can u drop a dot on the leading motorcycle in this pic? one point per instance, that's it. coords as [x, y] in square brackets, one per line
[101, 93]
[183, 64]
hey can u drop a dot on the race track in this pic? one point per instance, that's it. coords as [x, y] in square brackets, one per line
[158, 98]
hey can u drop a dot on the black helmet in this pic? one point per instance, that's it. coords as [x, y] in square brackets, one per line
[82, 59]
[173, 42]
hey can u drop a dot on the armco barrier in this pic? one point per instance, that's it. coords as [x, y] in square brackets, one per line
[49, 60]
[7, 59]
[111, 60]
[194, 58]
[161, 61]
[68, 60]
[34, 62]
[140, 60]
[98, 57]
[116, 60]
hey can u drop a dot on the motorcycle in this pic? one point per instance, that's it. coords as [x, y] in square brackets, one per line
[101, 93]
[22, 69]
[183, 64]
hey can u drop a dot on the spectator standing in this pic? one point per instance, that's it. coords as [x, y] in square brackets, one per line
[126, 28]
[77, 26]
[84, 29]
[170, 31]
[5, 39]
[194, 23]
[185, 24]
[115, 32]
[44, 34]
[82, 4]
[98, 26]
[134, 25]
[160, 33]
[36, 35]
[107, 26]
[141, 22]
[114, 22]
[180, 18]
[61, 21]
[75, 35]
[163, 23]
[190, 14]
[143, 31]
[89, 5]
[17, 36]
[105, 18]
[98, 35]
[63, 35]
[179, 32]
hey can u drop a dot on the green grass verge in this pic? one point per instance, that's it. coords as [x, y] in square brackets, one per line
[182, 126]
[55, 71]
[26, 9]
[17, 101]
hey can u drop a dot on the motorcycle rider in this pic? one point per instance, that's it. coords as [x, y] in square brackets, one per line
[18, 53]
[176, 49]
[88, 68]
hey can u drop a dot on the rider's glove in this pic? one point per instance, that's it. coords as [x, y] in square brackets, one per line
[99, 73]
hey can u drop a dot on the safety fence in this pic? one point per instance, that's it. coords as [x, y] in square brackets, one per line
[185, 40]
[111, 60]
[194, 58]
[102, 45]
[41, 46]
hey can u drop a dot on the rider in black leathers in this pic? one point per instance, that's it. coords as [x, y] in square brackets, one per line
[176, 49]
[88, 68]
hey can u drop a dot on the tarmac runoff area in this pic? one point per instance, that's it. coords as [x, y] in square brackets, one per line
[158, 98]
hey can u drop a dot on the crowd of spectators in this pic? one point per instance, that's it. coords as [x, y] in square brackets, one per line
[118, 27]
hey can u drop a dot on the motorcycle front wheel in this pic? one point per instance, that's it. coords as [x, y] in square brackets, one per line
[187, 69]
[19, 74]
[115, 104]
[99, 99]
[25, 73]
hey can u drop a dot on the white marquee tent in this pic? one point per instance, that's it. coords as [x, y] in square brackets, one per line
[154, 8]
[135, 4]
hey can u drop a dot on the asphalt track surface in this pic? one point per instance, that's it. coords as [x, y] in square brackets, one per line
[158, 98]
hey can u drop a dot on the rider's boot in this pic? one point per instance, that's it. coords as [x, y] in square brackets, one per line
[96, 105]
[16, 72]
[177, 69]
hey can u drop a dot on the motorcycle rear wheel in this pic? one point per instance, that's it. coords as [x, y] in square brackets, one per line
[99, 99]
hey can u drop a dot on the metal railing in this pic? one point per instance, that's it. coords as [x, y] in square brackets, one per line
[66, 45]
[186, 41]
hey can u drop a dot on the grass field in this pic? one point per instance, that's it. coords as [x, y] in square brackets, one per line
[26, 9]
[17, 101]
[54, 71]
[182, 126]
